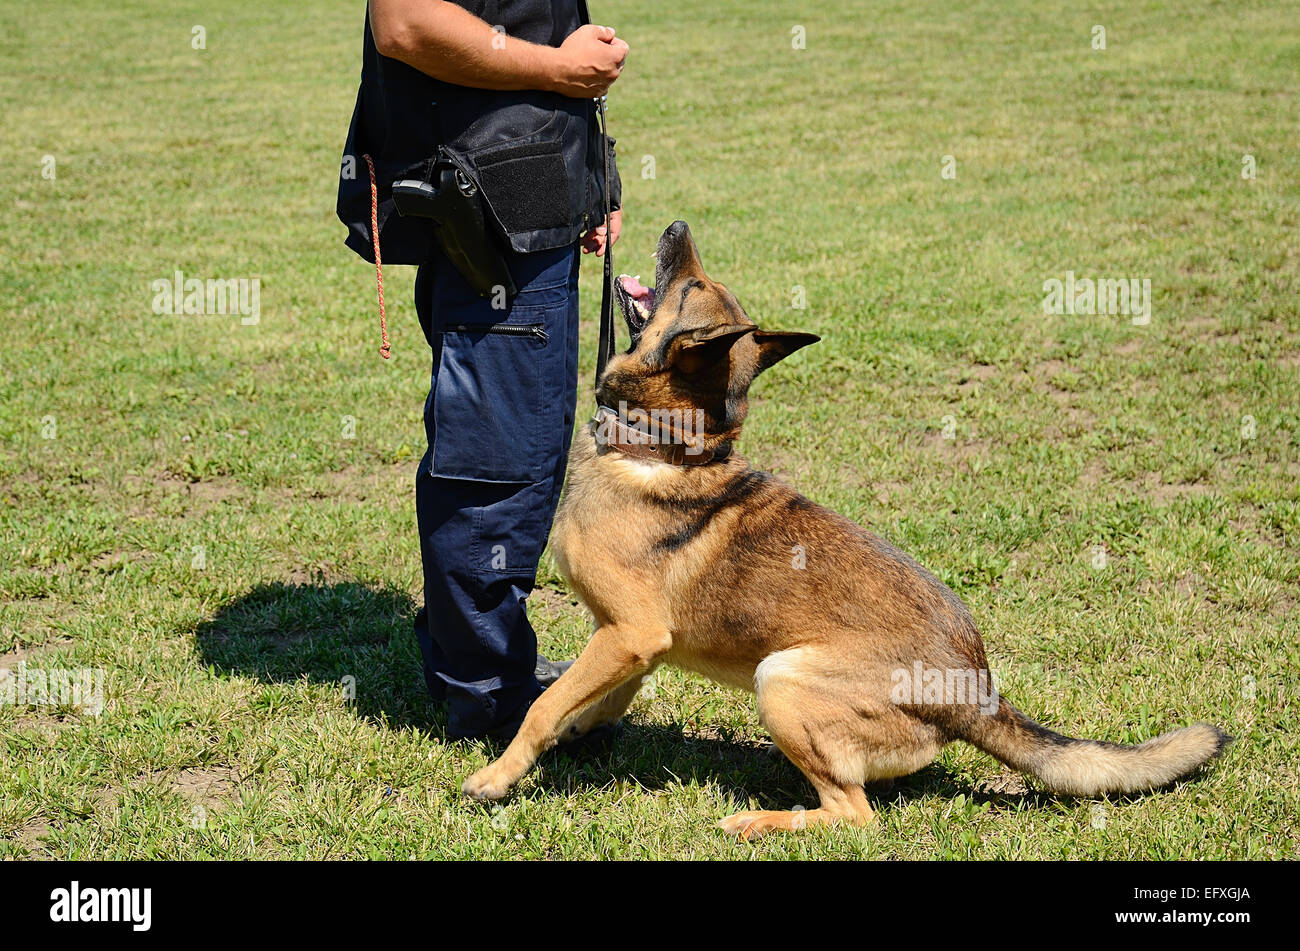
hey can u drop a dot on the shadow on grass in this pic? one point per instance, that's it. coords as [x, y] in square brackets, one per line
[282, 633]
[655, 756]
[755, 776]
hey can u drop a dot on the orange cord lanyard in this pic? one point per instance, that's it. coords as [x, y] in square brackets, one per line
[384, 349]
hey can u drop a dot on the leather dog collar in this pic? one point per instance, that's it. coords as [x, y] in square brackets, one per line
[613, 433]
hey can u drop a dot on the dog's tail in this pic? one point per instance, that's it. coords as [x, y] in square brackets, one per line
[1091, 767]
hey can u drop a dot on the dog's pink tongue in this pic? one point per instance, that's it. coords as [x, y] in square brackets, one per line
[635, 288]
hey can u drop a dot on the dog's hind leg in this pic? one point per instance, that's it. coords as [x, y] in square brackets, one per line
[819, 735]
[847, 804]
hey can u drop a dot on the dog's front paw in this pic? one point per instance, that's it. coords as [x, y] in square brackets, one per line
[746, 825]
[488, 783]
[749, 825]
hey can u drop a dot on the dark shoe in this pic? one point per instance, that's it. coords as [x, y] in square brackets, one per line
[548, 672]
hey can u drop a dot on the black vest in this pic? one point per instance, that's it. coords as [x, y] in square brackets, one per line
[536, 155]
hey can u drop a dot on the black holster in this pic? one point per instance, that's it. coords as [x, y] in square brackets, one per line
[462, 226]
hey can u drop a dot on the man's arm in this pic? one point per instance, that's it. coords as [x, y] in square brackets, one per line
[449, 43]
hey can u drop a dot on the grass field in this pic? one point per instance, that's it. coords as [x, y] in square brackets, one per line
[220, 516]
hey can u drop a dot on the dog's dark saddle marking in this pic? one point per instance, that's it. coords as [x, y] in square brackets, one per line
[702, 510]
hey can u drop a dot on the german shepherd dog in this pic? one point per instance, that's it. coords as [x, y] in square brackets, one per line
[687, 556]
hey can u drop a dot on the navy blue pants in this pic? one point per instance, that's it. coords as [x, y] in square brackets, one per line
[499, 419]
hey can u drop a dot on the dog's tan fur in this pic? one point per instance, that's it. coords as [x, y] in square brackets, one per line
[723, 570]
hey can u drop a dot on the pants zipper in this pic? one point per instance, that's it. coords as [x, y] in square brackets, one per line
[517, 330]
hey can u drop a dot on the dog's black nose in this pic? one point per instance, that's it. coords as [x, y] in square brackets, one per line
[678, 229]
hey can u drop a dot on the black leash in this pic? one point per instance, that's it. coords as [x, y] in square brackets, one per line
[607, 339]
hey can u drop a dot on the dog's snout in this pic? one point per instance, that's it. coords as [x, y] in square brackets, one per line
[676, 250]
[674, 241]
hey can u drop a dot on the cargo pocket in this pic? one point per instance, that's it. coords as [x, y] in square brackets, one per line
[491, 415]
[510, 528]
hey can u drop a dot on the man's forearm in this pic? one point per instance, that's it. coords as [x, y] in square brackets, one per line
[449, 43]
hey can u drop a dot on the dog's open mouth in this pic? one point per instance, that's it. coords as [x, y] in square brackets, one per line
[636, 301]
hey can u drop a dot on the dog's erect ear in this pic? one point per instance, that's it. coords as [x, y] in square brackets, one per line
[775, 345]
[694, 351]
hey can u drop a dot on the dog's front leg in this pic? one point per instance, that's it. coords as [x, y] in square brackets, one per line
[614, 655]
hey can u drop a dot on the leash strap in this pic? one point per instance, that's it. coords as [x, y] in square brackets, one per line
[608, 341]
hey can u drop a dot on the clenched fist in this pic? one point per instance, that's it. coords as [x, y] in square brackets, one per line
[588, 62]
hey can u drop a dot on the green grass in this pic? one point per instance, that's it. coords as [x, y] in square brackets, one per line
[227, 732]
